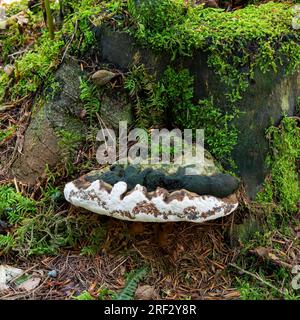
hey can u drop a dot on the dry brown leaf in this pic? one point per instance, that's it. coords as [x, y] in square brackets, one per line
[146, 292]
[102, 77]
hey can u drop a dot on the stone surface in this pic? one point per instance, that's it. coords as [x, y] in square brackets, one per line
[61, 115]
[120, 49]
[29, 284]
[7, 273]
[268, 97]
[115, 107]
[42, 145]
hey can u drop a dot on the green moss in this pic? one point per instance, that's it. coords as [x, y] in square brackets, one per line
[238, 42]
[283, 185]
[298, 107]
[13, 204]
[256, 290]
[88, 95]
[147, 97]
[16, 6]
[69, 141]
[170, 103]
[35, 66]
[3, 84]
[40, 227]
[78, 25]
[11, 40]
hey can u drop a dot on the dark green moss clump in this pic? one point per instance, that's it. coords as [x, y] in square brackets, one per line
[219, 185]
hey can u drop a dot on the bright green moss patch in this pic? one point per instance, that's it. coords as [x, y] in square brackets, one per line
[283, 187]
[35, 66]
[6, 133]
[13, 204]
[23, 27]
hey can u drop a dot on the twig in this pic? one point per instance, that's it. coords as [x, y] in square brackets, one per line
[294, 117]
[69, 43]
[112, 271]
[18, 53]
[16, 185]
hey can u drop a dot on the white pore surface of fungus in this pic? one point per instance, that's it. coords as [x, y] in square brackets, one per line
[142, 206]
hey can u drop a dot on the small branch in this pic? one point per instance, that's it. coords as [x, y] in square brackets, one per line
[294, 117]
[69, 43]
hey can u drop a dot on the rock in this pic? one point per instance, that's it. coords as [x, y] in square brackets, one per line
[102, 77]
[44, 143]
[9, 69]
[126, 198]
[146, 292]
[120, 49]
[115, 107]
[4, 226]
[52, 274]
[57, 122]
[29, 284]
[7, 273]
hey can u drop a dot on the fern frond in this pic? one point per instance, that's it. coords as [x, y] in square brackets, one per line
[129, 291]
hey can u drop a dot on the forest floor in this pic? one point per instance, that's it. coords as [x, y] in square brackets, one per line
[189, 265]
[184, 261]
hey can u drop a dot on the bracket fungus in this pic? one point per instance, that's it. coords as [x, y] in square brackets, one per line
[140, 194]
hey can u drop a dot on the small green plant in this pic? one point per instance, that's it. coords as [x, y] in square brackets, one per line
[88, 95]
[7, 133]
[85, 295]
[78, 25]
[13, 204]
[146, 94]
[132, 282]
[262, 286]
[35, 66]
[103, 294]
[97, 236]
[69, 140]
